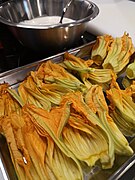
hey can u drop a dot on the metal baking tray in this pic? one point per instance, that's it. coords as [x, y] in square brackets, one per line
[122, 164]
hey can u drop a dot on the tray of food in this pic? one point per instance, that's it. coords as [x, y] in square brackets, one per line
[70, 116]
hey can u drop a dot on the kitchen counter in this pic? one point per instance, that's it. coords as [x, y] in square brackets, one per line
[115, 17]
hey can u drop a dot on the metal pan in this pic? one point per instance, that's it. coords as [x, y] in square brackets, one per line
[122, 163]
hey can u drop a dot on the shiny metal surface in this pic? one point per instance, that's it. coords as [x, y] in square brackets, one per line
[122, 164]
[54, 37]
[65, 9]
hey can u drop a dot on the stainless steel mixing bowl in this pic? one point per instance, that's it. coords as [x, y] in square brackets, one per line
[55, 37]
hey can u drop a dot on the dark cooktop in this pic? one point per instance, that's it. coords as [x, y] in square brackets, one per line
[13, 54]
